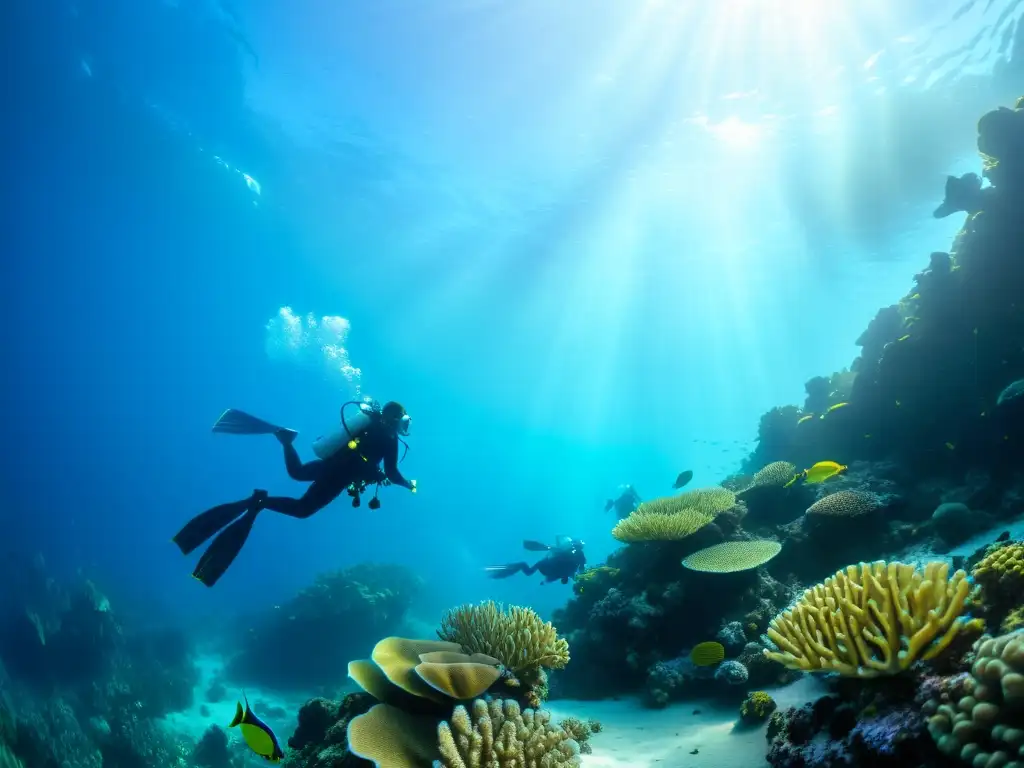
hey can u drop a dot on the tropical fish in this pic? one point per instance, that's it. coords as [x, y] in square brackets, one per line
[831, 408]
[819, 473]
[683, 479]
[707, 654]
[256, 733]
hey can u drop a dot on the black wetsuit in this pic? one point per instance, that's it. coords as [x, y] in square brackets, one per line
[560, 565]
[329, 477]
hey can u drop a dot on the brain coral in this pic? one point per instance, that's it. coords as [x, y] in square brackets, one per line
[844, 504]
[1000, 574]
[778, 473]
[732, 556]
[871, 620]
[985, 727]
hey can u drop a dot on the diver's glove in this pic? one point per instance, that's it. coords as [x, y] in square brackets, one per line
[412, 486]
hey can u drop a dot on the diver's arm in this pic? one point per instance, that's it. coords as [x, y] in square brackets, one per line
[391, 466]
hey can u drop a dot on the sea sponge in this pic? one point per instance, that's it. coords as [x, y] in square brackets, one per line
[413, 674]
[872, 620]
[844, 504]
[397, 658]
[498, 734]
[517, 637]
[756, 707]
[390, 737]
[733, 556]
[984, 728]
[649, 525]
[707, 501]
[776, 474]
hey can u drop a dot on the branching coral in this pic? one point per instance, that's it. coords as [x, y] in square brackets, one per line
[672, 518]
[517, 637]
[984, 728]
[871, 620]
[580, 731]
[500, 735]
[707, 501]
[647, 525]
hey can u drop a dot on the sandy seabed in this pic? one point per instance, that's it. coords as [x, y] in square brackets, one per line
[692, 734]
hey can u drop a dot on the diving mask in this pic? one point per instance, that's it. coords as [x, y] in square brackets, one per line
[403, 425]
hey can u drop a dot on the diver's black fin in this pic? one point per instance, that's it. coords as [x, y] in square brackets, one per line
[608, 505]
[203, 526]
[225, 548]
[235, 422]
[535, 546]
[504, 571]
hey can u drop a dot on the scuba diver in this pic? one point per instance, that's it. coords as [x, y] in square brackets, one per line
[624, 504]
[349, 459]
[563, 561]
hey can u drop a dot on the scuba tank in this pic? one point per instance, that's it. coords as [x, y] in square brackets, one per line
[352, 426]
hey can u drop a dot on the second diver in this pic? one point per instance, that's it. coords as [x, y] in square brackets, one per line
[562, 562]
[353, 464]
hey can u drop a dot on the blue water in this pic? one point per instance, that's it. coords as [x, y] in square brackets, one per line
[583, 245]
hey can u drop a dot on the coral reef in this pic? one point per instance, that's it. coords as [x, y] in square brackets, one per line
[321, 737]
[324, 626]
[524, 643]
[88, 689]
[873, 619]
[580, 731]
[926, 467]
[985, 725]
[498, 733]
[757, 707]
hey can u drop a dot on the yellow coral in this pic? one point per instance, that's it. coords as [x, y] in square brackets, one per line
[706, 501]
[871, 620]
[757, 706]
[1000, 574]
[1014, 619]
[776, 474]
[499, 735]
[518, 637]
[733, 556]
[648, 525]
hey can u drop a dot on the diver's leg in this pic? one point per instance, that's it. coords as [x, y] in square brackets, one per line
[225, 548]
[319, 494]
[203, 526]
[307, 472]
[505, 571]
